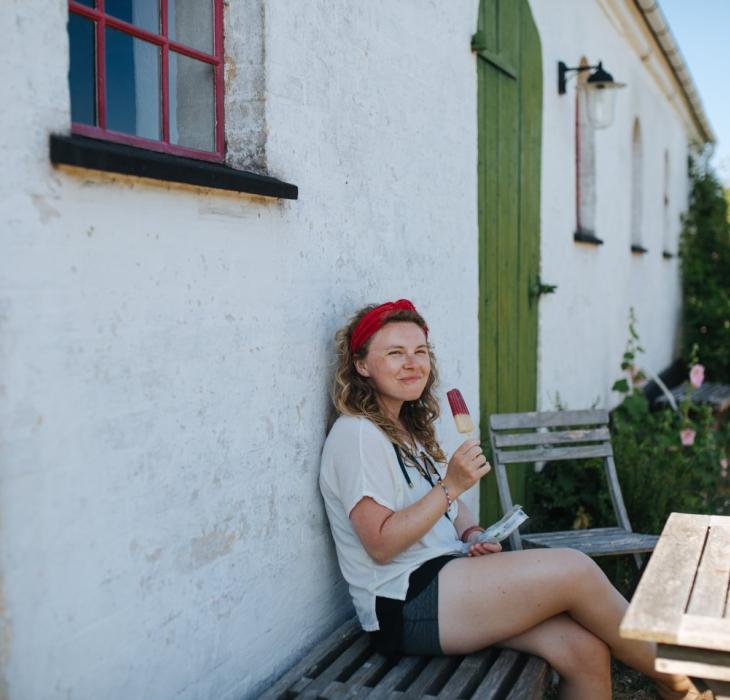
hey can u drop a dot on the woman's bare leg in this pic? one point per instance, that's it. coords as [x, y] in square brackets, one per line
[581, 659]
[485, 600]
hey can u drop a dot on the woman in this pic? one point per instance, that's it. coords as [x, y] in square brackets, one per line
[398, 524]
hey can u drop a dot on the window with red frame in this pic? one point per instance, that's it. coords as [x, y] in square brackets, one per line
[149, 73]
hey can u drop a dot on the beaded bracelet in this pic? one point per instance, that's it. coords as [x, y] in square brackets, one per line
[446, 491]
[469, 530]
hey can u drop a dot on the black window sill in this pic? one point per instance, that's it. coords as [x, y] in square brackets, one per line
[667, 255]
[639, 249]
[586, 237]
[111, 157]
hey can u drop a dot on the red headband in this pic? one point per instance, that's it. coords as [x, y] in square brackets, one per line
[374, 320]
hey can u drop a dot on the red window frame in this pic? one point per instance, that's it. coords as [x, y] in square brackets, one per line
[102, 21]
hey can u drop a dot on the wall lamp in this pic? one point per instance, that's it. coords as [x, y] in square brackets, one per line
[600, 93]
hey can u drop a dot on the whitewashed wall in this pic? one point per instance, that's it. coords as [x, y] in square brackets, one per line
[584, 325]
[166, 350]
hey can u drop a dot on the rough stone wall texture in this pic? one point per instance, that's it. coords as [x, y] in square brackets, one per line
[245, 85]
[166, 350]
[586, 320]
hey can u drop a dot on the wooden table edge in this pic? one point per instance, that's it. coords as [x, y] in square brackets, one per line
[644, 636]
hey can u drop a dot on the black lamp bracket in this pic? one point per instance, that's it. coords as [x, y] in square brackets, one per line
[563, 69]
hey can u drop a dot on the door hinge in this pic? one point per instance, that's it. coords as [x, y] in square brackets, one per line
[538, 288]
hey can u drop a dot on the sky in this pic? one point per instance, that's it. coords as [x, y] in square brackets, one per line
[702, 31]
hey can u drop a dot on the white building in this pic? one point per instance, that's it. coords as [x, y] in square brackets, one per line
[166, 317]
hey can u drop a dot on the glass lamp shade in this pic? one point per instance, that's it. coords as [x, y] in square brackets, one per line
[600, 102]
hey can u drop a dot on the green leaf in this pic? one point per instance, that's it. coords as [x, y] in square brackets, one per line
[622, 386]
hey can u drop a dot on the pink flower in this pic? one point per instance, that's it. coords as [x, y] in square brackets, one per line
[724, 464]
[637, 376]
[697, 376]
[688, 436]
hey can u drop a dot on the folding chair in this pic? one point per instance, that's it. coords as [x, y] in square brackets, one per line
[564, 435]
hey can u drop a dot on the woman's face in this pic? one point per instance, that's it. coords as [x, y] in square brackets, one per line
[397, 363]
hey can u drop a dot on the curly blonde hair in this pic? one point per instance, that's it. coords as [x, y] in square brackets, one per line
[354, 395]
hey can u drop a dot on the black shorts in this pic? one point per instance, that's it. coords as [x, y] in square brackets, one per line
[411, 626]
[420, 633]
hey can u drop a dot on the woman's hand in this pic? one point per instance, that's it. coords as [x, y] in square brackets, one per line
[466, 466]
[477, 549]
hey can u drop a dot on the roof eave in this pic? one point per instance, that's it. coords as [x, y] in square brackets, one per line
[659, 27]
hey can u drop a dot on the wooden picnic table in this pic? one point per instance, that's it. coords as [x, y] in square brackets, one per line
[682, 600]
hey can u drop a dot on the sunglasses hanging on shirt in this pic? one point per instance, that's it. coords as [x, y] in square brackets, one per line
[405, 458]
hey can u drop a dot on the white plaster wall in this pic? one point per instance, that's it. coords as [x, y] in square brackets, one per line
[584, 325]
[166, 350]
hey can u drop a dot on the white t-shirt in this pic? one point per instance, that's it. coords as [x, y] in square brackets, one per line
[358, 460]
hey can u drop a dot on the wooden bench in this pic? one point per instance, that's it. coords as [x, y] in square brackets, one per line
[681, 601]
[713, 394]
[345, 666]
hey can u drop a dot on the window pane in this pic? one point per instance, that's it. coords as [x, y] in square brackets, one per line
[81, 79]
[192, 103]
[132, 85]
[88, 3]
[190, 22]
[141, 13]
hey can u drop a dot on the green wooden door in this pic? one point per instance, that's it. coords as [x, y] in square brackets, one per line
[510, 122]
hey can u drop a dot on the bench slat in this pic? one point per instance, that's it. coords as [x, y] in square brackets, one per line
[356, 685]
[339, 691]
[327, 649]
[358, 649]
[552, 438]
[437, 671]
[468, 674]
[715, 394]
[553, 454]
[531, 681]
[498, 677]
[386, 688]
[547, 419]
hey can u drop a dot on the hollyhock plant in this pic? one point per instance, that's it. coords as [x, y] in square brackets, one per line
[697, 375]
[687, 436]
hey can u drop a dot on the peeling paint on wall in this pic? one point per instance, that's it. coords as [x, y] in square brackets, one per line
[205, 549]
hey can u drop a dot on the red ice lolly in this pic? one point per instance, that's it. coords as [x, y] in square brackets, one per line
[464, 423]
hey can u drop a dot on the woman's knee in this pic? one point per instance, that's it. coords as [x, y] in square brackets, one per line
[581, 569]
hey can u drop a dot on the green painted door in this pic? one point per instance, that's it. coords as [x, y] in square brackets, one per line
[510, 121]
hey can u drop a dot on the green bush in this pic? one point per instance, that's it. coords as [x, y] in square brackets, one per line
[666, 461]
[705, 258]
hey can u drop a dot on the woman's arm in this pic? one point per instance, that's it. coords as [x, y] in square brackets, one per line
[464, 519]
[385, 533]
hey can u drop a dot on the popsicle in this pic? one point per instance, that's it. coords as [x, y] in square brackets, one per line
[464, 423]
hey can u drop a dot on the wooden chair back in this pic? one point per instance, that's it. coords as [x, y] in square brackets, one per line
[518, 438]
